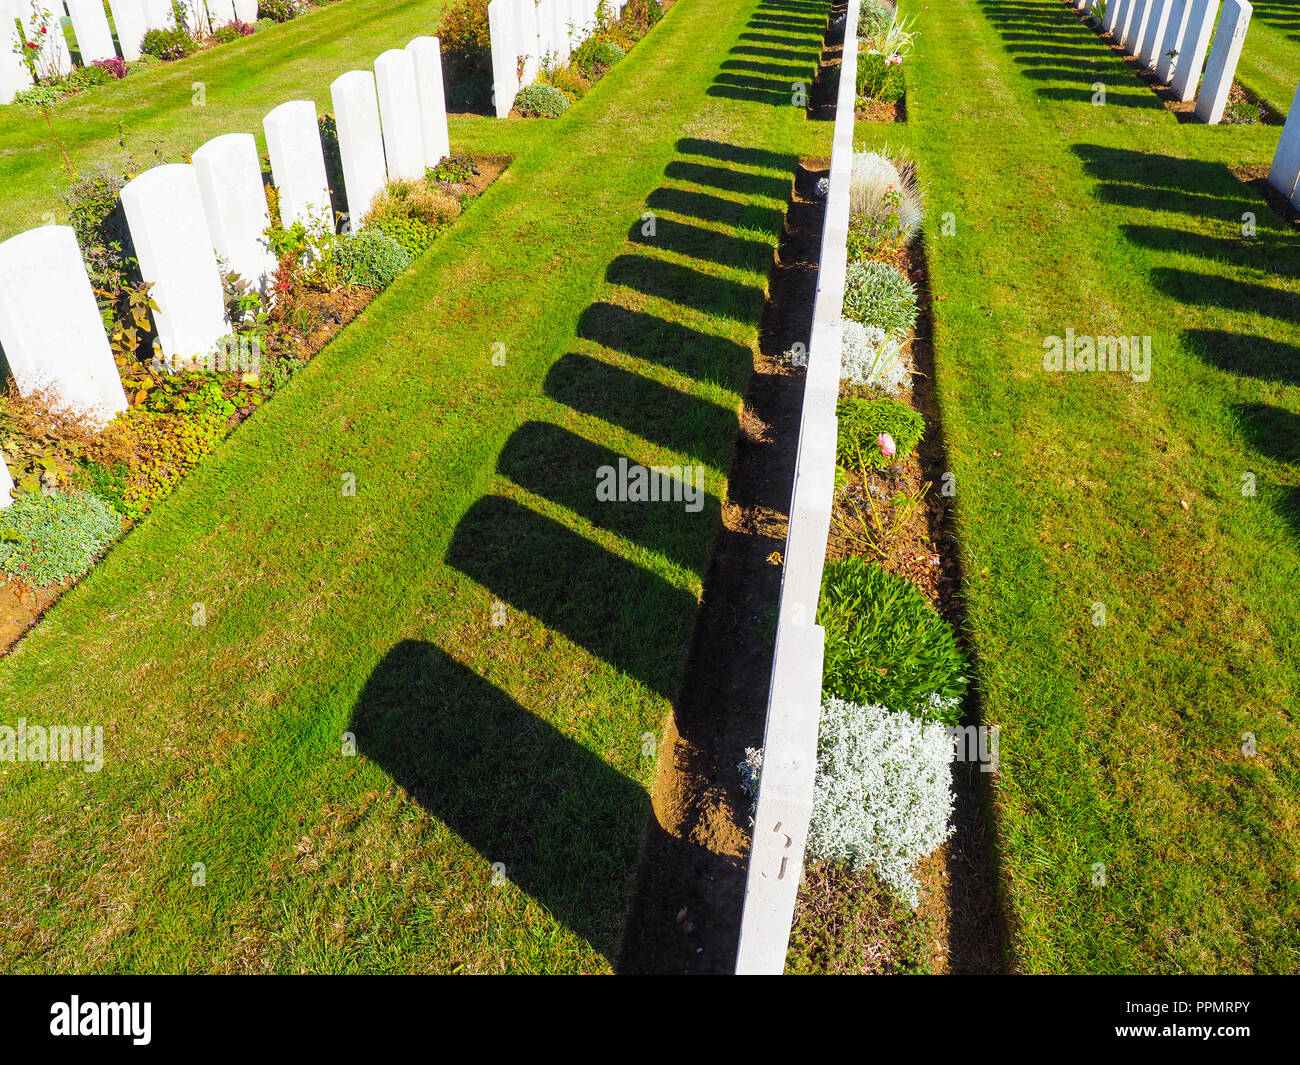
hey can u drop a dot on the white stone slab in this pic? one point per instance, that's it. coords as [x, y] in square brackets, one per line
[427, 53]
[1175, 30]
[298, 165]
[128, 18]
[169, 229]
[1138, 26]
[784, 801]
[554, 12]
[505, 78]
[6, 485]
[1111, 18]
[90, 24]
[399, 111]
[158, 14]
[50, 327]
[14, 75]
[524, 13]
[361, 142]
[246, 11]
[1284, 173]
[1124, 27]
[1149, 47]
[1221, 67]
[1191, 57]
[234, 203]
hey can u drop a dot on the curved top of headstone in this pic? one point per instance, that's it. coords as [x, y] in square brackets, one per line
[362, 79]
[292, 109]
[226, 144]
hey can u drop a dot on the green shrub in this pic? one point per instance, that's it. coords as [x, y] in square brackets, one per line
[642, 14]
[541, 101]
[370, 259]
[89, 77]
[886, 645]
[413, 234]
[878, 294]
[167, 44]
[880, 78]
[873, 20]
[861, 421]
[45, 539]
[454, 170]
[593, 57]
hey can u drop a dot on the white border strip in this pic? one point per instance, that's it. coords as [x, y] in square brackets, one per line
[794, 699]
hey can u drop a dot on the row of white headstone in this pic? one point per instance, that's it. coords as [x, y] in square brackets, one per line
[1171, 38]
[528, 36]
[188, 221]
[131, 18]
[785, 795]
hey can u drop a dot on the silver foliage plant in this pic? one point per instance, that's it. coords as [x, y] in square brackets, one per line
[883, 796]
[874, 174]
[868, 356]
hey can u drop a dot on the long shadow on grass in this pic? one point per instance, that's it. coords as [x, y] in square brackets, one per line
[1207, 193]
[789, 31]
[682, 283]
[1283, 15]
[566, 826]
[1065, 55]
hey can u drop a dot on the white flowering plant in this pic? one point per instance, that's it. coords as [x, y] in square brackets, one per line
[883, 796]
[869, 356]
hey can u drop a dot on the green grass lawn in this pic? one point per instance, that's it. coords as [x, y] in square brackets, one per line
[1270, 59]
[156, 109]
[1120, 744]
[519, 743]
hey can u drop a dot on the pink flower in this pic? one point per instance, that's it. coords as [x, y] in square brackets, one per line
[887, 446]
[893, 60]
[44, 30]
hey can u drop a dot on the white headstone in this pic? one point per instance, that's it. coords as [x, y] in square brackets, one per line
[6, 485]
[158, 14]
[361, 143]
[555, 12]
[524, 14]
[14, 75]
[50, 327]
[246, 11]
[1284, 174]
[1180, 12]
[1111, 19]
[128, 18]
[1221, 67]
[298, 165]
[1191, 58]
[1149, 47]
[169, 229]
[90, 24]
[505, 78]
[1138, 26]
[1127, 17]
[234, 204]
[427, 53]
[399, 109]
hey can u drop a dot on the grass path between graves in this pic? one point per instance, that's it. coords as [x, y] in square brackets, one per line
[521, 743]
[1270, 59]
[1122, 745]
[237, 83]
